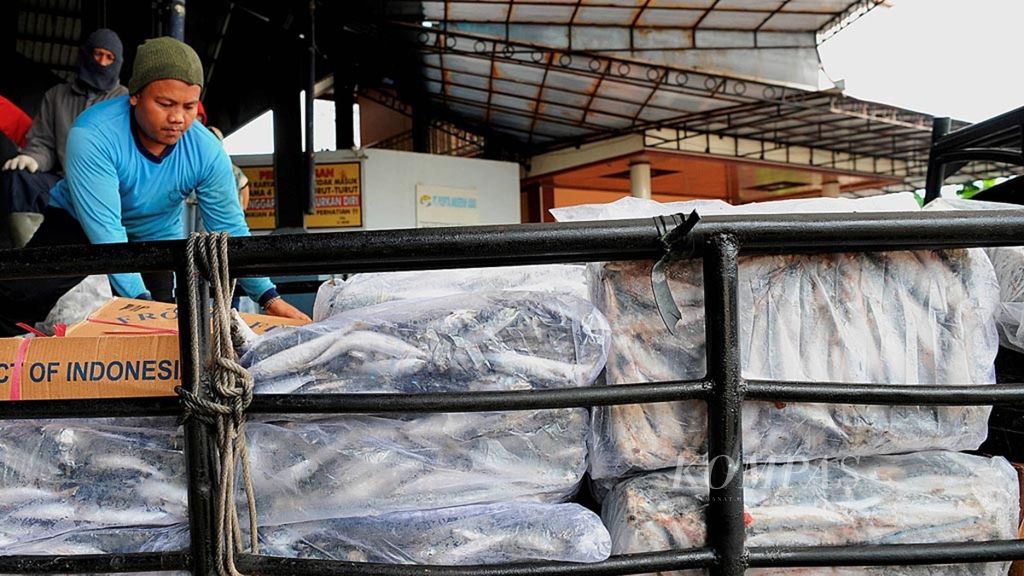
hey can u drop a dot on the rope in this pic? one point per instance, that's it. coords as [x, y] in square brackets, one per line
[228, 391]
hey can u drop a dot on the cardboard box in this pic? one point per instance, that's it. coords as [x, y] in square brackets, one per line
[128, 348]
[129, 317]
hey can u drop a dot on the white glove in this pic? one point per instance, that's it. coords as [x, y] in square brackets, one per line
[22, 162]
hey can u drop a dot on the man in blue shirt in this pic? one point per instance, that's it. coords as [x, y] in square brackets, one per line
[131, 163]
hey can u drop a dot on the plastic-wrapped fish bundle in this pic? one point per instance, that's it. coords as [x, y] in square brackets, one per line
[1008, 262]
[899, 317]
[466, 535]
[367, 465]
[908, 317]
[59, 477]
[913, 498]
[362, 290]
[122, 540]
[490, 341]
[362, 465]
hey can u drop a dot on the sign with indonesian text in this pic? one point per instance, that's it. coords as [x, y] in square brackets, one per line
[261, 214]
[338, 197]
[446, 206]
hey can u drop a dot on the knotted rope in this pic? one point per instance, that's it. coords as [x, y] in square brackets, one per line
[228, 391]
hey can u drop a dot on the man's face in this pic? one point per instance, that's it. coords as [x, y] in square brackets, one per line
[103, 56]
[164, 110]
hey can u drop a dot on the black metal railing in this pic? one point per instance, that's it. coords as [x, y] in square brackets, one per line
[999, 139]
[718, 240]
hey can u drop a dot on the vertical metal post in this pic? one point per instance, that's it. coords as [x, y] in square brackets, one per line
[936, 168]
[345, 126]
[289, 176]
[310, 86]
[421, 129]
[725, 409]
[199, 448]
[176, 19]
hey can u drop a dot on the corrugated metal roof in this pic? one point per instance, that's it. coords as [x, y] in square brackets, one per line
[49, 33]
[545, 72]
[551, 73]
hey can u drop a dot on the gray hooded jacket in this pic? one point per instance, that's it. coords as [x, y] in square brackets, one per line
[48, 137]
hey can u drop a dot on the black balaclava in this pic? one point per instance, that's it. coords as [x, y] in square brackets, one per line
[90, 73]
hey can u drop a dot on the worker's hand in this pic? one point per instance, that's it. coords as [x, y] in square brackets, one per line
[22, 162]
[278, 307]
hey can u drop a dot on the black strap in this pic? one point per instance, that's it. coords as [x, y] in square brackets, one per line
[674, 231]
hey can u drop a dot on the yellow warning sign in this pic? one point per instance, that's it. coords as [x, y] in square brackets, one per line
[338, 200]
[261, 213]
[339, 196]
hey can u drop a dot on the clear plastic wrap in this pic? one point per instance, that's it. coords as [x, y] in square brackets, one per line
[900, 317]
[111, 541]
[912, 498]
[467, 535]
[59, 478]
[367, 465]
[362, 290]
[78, 303]
[1008, 262]
[490, 341]
[363, 465]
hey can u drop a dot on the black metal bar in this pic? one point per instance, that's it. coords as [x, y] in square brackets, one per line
[888, 554]
[725, 525]
[310, 124]
[841, 393]
[936, 170]
[537, 243]
[96, 563]
[625, 564]
[977, 132]
[763, 390]
[91, 408]
[479, 401]
[616, 240]
[982, 154]
[198, 444]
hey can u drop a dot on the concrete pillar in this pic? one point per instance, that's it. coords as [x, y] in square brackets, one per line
[640, 179]
[830, 189]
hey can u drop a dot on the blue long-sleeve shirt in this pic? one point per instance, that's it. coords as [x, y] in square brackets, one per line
[120, 192]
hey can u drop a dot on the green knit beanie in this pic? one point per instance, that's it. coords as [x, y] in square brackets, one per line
[162, 59]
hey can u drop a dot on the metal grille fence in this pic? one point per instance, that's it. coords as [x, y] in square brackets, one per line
[718, 240]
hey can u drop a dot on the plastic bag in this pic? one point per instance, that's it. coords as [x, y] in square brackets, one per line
[900, 317]
[492, 341]
[361, 465]
[467, 535]
[925, 497]
[1008, 262]
[66, 476]
[367, 465]
[112, 541]
[629, 207]
[361, 290]
[78, 303]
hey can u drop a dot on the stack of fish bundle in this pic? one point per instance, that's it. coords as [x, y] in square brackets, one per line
[911, 498]
[1008, 262]
[896, 317]
[386, 474]
[362, 290]
[908, 317]
[91, 487]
